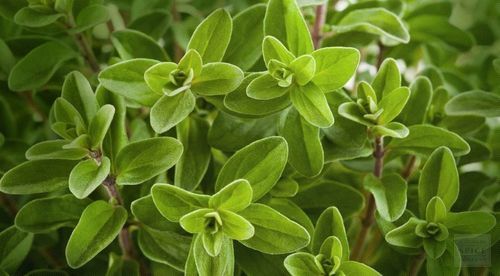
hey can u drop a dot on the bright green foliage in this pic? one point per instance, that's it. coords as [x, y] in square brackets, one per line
[437, 192]
[331, 257]
[380, 102]
[98, 226]
[60, 211]
[261, 163]
[142, 160]
[256, 138]
[304, 78]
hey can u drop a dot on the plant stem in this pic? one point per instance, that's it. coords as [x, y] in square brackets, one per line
[83, 44]
[369, 214]
[110, 184]
[409, 167]
[86, 49]
[317, 33]
[417, 264]
[124, 237]
[125, 243]
[380, 56]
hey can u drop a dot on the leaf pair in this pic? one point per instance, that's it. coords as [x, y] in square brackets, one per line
[437, 192]
[380, 103]
[170, 88]
[331, 248]
[177, 83]
[225, 216]
[304, 78]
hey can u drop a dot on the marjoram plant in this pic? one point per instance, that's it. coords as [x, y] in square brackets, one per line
[249, 137]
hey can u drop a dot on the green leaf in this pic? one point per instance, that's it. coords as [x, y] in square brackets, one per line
[142, 160]
[274, 233]
[127, 79]
[285, 187]
[132, 44]
[174, 202]
[292, 211]
[448, 264]
[165, 247]
[253, 262]
[191, 60]
[393, 103]
[100, 124]
[423, 30]
[154, 23]
[33, 18]
[392, 129]
[334, 67]
[304, 68]
[303, 264]
[194, 161]
[14, 247]
[346, 139]
[61, 211]
[475, 103]
[212, 36]
[265, 87]
[285, 22]
[77, 90]
[217, 78]
[248, 32]
[7, 57]
[471, 222]
[353, 112]
[377, 21]
[423, 139]
[436, 210]
[330, 223]
[415, 110]
[355, 268]
[234, 197]
[169, 111]
[99, 225]
[90, 16]
[315, 198]
[145, 211]
[261, 163]
[87, 176]
[120, 266]
[387, 79]
[304, 144]
[213, 242]
[206, 265]
[332, 249]
[272, 48]
[433, 248]
[53, 149]
[66, 114]
[116, 138]
[439, 178]
[37, 67]
[404, 235]
[243, 131]
[235, 226]
[311, 103]
[158, 75]
[239, 101]
[37, 176]
[389, 193]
